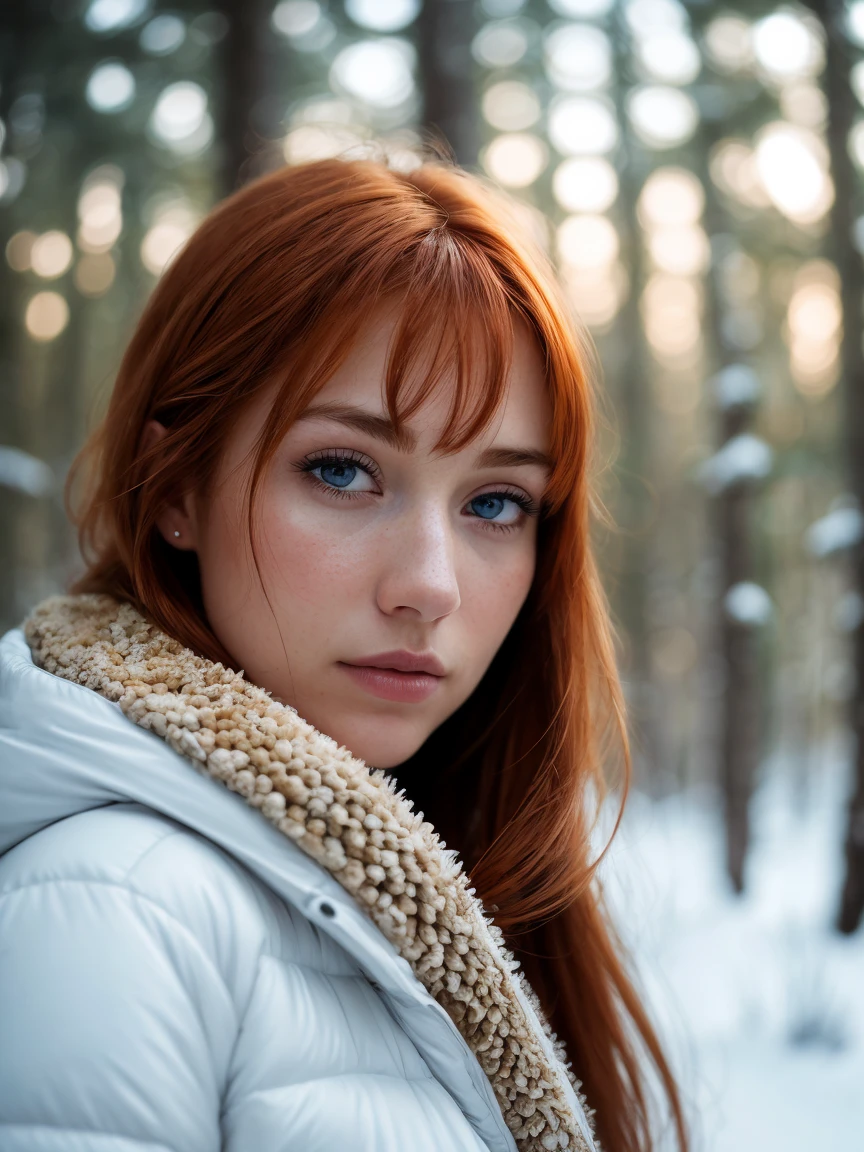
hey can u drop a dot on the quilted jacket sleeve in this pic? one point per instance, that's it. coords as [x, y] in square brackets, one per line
[118, 1002]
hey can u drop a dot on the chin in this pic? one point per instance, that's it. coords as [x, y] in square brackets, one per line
[382, 741]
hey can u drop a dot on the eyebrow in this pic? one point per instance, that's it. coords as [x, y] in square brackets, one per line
[512, 457]
[379, 427]
[382, 428]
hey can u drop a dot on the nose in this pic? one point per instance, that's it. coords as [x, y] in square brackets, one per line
[418, 576]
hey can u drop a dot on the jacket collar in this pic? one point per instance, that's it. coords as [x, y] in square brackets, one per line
[367, 860]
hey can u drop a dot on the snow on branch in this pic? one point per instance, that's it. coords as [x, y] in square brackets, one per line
[24, 473]
[838, 531]
[745, 459]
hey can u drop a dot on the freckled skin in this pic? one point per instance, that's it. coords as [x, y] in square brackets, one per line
[406, 563]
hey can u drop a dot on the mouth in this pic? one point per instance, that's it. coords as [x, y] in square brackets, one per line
[405, 677]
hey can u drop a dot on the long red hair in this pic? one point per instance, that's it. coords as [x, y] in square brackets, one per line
[276, 283]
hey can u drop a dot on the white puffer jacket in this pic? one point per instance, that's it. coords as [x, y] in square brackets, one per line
[175, 973]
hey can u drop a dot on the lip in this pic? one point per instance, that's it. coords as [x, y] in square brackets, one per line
[403, 661]
[406, 677]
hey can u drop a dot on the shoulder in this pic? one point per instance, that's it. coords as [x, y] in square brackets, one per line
[182, 889]
[140, 875]
[112, 961]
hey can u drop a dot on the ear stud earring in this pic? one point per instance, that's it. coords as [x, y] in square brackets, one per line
[176, 533]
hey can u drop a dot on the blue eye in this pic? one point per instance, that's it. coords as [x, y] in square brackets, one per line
[340, 473]
[487, 507]
[501, 509]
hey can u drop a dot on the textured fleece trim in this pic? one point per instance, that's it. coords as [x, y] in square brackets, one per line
[348, 817]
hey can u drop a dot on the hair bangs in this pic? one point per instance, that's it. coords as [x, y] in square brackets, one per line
[455, 324]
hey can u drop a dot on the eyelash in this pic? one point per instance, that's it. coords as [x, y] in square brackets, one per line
[528, 506]
[349, 456]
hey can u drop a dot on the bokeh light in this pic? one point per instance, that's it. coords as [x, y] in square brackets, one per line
[587, 184]
[515, 159]
[13, 173]
[582, 9]
[112, 15]
[295, 18]
[99, 213]
[162, 35]
[111, 87]
[670, 57]
[786, 47]
[578, 57]
[511, 106]
[671, 197]
[94, 273]
[646, 17]
[319, 142]
[19, 247]
[500, 44]
[729, 43]
[855, 22]
[304, 24]
[46, 316]
[662, 117]
[378, 73]
[814, 321]
[596, 294]
[180, 120]
[173, 224]
[792, 163]
[814, 312]
[669, 208]
[582, 126]
[391, 16]
[733, 169]
[671, 309]
[587, 241]
[805, 104]
[683, 251]
[51, 254]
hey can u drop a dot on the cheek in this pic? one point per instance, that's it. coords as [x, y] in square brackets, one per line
[309, 555]
[309, 569]
[492, 595]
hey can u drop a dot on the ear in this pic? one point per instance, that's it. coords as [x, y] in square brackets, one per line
[178, 522]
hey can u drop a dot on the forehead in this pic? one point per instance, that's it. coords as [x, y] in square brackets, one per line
[523, 417]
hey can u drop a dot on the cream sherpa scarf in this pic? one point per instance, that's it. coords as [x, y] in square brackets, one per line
[346, 816]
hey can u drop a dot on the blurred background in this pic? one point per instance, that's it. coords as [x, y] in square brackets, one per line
[696, 171]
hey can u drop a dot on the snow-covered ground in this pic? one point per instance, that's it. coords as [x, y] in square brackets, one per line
[760, 1003]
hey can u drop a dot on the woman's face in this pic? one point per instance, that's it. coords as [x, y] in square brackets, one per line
[388, 574]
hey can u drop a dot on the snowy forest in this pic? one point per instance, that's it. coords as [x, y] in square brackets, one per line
[696, 170]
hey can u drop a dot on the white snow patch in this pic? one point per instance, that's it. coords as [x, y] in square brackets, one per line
[748, 603]
[736, 385]
[760, 1002]
[24, 473]
[742, 459]
[841, 529]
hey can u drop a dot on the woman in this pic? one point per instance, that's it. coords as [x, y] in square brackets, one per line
[347, 452]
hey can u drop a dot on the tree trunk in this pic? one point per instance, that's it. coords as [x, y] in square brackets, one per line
[738, 642]
[841, 116]
[634, 419]
[740, 708]
[240, 87]
[444, 32]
